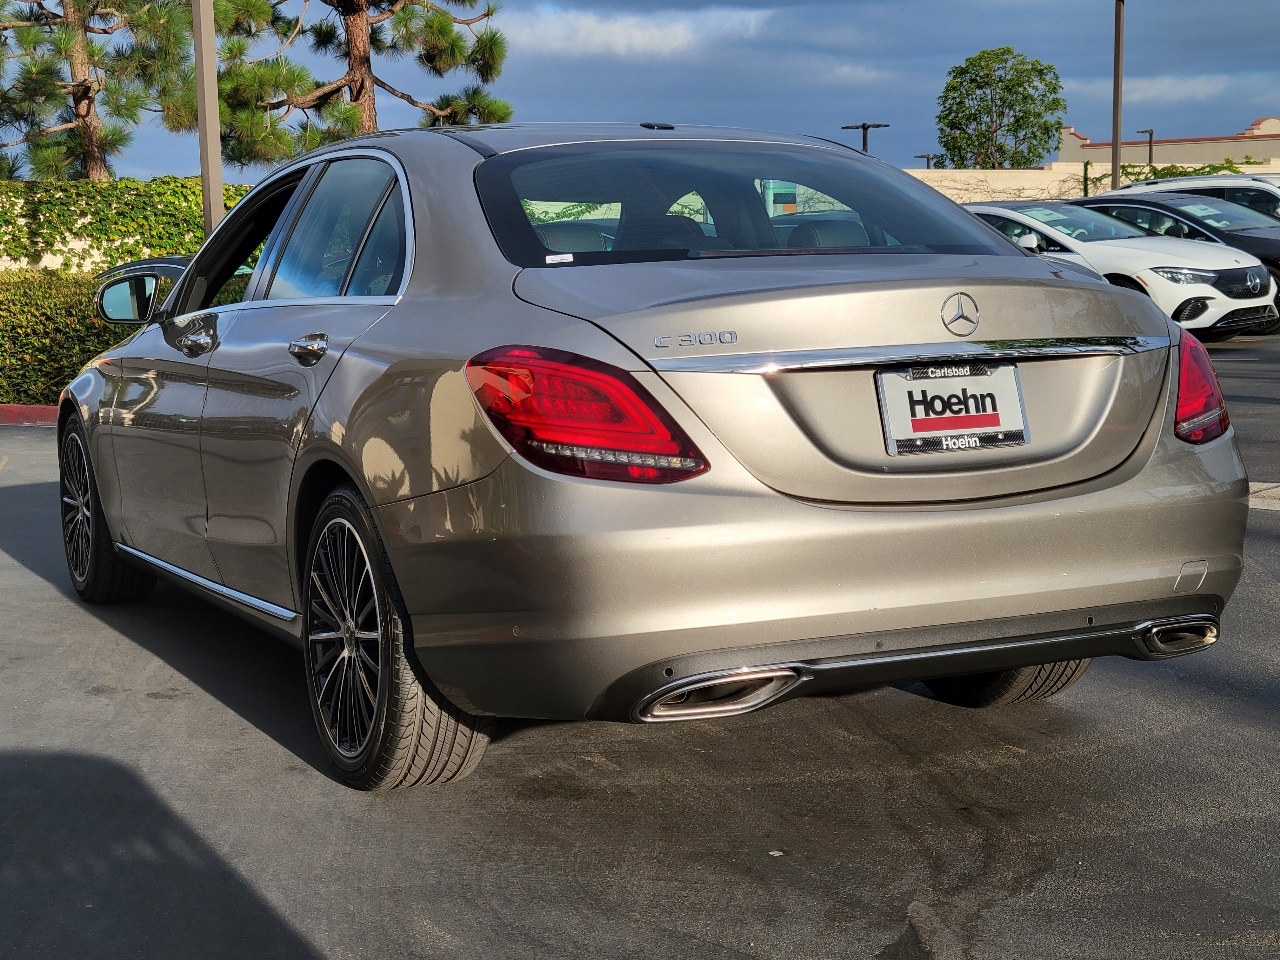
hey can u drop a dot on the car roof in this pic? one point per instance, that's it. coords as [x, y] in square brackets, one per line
[491, 139]
[1015, 206]
[1208, 178]
[1153, 196]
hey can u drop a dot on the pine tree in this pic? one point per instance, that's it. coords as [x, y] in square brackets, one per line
[78, 75]
[272, 107]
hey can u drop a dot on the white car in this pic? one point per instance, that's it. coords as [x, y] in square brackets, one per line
[1213, 290]
[1261, 193]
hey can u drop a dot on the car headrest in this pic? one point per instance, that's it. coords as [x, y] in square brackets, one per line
[671, 230]
[823, 234]
[571, 236]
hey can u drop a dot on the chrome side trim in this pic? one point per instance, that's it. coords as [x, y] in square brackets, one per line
[253, 603]
[850, 357]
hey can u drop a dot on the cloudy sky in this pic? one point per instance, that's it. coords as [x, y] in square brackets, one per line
[1194, 67]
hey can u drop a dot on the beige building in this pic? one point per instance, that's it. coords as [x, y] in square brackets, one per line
[1260, 142]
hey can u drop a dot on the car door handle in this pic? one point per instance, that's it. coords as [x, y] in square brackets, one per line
[309, 349]
[195, 344]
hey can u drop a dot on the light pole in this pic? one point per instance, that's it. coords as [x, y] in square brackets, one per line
[1117, 97]
[927, 158]
[864, 127]
[1151, 146]
[209, 127]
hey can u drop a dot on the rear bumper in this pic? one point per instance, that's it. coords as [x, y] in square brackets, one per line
[543, 596]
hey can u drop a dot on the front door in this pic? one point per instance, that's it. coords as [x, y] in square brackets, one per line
[338, 273]
[156, 420]
[158, 404]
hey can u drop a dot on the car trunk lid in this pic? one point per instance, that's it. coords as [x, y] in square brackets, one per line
[798, 367]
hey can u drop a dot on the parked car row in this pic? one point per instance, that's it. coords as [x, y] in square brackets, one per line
[1205, 249]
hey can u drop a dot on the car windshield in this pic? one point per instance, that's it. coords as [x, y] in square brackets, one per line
[625, 202]
[1080, 223]
[1222, 214]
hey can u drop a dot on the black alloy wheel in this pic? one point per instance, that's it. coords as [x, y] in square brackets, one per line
[77, 507]
[98, 573]
[344, 634]
[383, 723]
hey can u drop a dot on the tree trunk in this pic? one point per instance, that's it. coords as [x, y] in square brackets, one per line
[84, 94]
[355, 23]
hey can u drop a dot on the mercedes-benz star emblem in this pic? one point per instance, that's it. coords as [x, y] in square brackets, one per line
[960, 314]
[1255, 282]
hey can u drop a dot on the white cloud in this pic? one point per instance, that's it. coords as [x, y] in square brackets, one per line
[1162, 89]
[552, 31]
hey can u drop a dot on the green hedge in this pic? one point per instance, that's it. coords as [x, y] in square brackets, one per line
[116, 221]
[48, 331]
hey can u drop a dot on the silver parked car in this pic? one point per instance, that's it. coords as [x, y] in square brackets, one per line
[643, 423]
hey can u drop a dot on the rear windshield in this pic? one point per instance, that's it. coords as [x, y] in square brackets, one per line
[1081, 223]
[1222, 214]
[627, 202]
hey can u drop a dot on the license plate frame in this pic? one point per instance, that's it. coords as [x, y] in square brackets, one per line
[961, 421]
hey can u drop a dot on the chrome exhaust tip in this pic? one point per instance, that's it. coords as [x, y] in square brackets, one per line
[724, 694]
[1172, 638]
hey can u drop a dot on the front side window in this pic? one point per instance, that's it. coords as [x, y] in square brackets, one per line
[1080, 223]
[221, 273]
[1222, 214]
[1260, 200]
[1158, 223]
[625, 202]
[1015, 231]
[328, 234]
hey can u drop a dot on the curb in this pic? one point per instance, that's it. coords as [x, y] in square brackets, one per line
[23, 415]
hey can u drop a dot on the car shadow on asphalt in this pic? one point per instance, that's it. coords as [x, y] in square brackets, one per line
[246, 669]
[94, 865]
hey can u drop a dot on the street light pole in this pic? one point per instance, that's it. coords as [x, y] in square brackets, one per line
[209, 125]
[864, 127]
[927, 158]
[1117, 97]
[1151, 146]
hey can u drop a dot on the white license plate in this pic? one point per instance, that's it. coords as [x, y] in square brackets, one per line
[951, 407]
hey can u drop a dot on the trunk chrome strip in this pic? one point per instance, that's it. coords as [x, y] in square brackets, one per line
[783, 361]
[253, 603]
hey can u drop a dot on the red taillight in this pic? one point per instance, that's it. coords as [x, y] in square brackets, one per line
[1202, 410]
[579, 416]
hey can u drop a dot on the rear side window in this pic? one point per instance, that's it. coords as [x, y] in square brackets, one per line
[318, 255]
[635, 201]
[380, 265]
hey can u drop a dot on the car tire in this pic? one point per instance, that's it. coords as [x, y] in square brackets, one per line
[383, 725]
[1008, 687]
[98, 572]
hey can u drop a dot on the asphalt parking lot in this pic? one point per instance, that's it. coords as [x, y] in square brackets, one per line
[163, 794]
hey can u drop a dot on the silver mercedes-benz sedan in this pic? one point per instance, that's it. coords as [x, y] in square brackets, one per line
[644, 423]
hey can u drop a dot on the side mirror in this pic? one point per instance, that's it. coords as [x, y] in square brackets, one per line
[1030, 242]
[128, 300]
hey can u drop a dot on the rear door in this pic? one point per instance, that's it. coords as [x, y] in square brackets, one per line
[338, 271]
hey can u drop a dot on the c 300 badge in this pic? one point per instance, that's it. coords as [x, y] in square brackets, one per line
[705, 339]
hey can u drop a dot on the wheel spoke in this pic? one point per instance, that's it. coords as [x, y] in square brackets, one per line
[328, 658]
